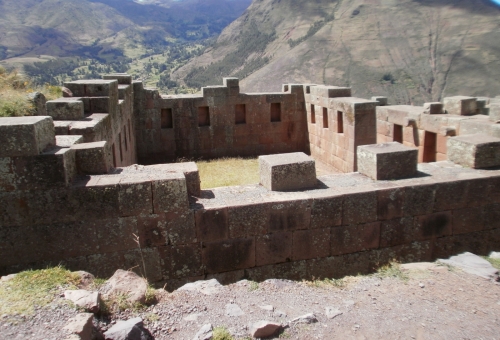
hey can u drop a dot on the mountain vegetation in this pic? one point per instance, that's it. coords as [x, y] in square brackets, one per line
[412, 51]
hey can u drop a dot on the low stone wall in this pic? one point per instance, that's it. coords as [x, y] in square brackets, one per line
[348, 224]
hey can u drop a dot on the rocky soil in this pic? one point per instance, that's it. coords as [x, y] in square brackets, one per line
[422, 301]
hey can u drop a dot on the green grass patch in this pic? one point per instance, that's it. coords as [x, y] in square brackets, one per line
[253, 286]
[221, 333]
[34, 288]
[494, 262]
[228, 172]
[392, 270]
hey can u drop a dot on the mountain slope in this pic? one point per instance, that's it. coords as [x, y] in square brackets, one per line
[410, 50]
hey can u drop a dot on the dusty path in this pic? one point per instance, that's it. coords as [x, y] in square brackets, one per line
[436, 303]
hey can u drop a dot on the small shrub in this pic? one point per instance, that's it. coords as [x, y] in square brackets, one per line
[221, 333]
[253, 286]
[388, 77]
[393, 270]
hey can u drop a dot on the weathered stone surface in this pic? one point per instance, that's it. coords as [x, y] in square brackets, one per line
[387, 161]
[332, 312]
[86, 279]
[474, 151]
[26, 136]
[234, 310]
[65, 109]
[460, 105]
[90, 301]
[264, 329]
[81, 325]
[126, 283]
[207, 287]
[65, 141]
[307, 318]
[38, 101]
[287, 172]
[473, 264]
[132, 329]
[229, 255]
[434, 108]
[93, 158]
[382, 101]
[205, 333]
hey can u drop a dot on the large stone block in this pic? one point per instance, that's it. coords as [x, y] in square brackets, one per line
[229, 255]
[387, 161]
[65, 109]
[93, 158]
[287, 172]
[273, 248]
[460, 105]
[26, 136]
[474, 151]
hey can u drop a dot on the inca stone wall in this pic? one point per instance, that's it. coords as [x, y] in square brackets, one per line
[70, 192]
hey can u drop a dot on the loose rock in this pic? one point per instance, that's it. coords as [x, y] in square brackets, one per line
[132, 329]
[234, 310]
[126, 283]
[84, 299]
[495, 255]
[331, 312]
[473, 264]
[81, 326]
[86, 279]
[264, 329]
[307, 318]
[205, 333]
[207, 287]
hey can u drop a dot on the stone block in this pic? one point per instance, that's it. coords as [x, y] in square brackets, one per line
[94, 88]
[66, 141]
[355, 238]
[326, 212]
[181, 228]
[248, 219]
[212, 224]
[273, 248]
[180, 261]
[467, 220]
[398, 231]
[460, 105]
[382, 101]
[26, 136]
[387, 161]
[433, 225]
[65, 109]
[135, 196]
[433, 108]
[170, 193]
[310, 244]
[289, 215]
[474, 151]
[494, 112]
[93, 158]
[390, 203]
[287, 172]
[122, 78]
[359, 208]
[229, 255]
[419, 200]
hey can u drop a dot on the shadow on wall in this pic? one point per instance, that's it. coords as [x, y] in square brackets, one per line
[477, 6]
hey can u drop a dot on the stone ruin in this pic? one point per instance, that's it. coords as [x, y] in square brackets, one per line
[72, 192]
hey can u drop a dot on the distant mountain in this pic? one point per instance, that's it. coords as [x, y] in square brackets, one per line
[78, 27]
[412, 51]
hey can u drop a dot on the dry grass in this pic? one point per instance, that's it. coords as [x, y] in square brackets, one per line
[228, 171]
[14, 92]
[34, 288]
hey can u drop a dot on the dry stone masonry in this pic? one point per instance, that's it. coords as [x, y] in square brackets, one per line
[89, 183]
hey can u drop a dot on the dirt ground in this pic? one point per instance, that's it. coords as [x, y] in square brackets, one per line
[437, 303]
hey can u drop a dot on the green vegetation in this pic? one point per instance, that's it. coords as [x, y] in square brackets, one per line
[338, 283]
[14, 94]
[34, 288]
[312, 31]
[251, 42]
[253, 286]
[391, 270]
[228, 171]
[221, 333]
[494, 262]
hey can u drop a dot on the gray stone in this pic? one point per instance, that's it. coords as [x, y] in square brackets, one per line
[387, 161]
[26, 136]
[473, 264]
[65, 109]
[38, 101]
[287, 172]
[234, 310]
[66, 141]
[474, 151]
[382, 101]
[205, 333]
[90, 301]
[66, 92]
[331, 312]
[93, 158]
[434, 108]
[132, 329]
[86, 279]
[207, 287]
[307, 318]
[126, 283]
[264, 329]
[8, 277]
[460, 105]
[81, 326]
[269, 308]
[495, 255]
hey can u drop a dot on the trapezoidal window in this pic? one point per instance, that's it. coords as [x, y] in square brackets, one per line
[166, 119]
[325, 118]
[240, 114]
[430, 143]
[203, 116]
[397, 133]
[313, 114]
[340, 122]
[275, 112]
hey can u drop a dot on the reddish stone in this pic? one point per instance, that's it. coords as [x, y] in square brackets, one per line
[354, 238]
[248, 220]
[390, 203]
[212, 224]
[309, 244]
[359, 208]
[273, 248]
[451, 195]
[398, 231]
[419, 200]
[434, 225]
[180, 261]
[326, 212]
[222, 256]
[466, 220]
[290, 215]
[152, 230]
